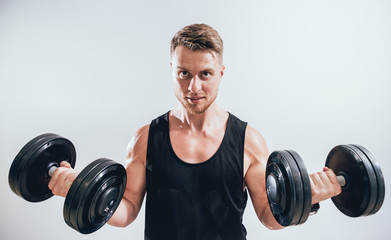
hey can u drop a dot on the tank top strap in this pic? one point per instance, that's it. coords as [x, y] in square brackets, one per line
[235, 133]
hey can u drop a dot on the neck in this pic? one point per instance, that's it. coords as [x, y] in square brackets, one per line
[213, 117]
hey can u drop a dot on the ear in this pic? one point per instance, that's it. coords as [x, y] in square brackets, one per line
[222, 70]
[171, 66]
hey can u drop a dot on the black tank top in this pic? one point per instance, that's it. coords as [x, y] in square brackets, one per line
[202, 201]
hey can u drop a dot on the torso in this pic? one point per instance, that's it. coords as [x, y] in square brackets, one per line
[193, 178]
[196, 148]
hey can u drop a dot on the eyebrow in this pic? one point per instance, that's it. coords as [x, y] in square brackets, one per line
[204, 70]
[181, 68]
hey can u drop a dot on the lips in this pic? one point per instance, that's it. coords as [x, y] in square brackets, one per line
[195, 100]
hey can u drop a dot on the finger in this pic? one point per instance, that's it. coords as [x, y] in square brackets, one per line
[316, 180]
[331, 185]
[332, 177]
[65, 164]
[60, 183]
[55, 179]
[324, 177]
[67, 185]
[312, 183]
[337, 189]
[314, 187]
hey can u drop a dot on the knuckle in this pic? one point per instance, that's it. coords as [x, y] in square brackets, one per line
[315, 192]
[329, 172]
[55, 190]
[62, 174]
[331, 175]
[324, 192]
[323, 175]
[314, 177]
[56, 173]
[338, 191]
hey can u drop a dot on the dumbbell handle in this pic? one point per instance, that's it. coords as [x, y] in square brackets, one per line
[341, 180]
[51, 170]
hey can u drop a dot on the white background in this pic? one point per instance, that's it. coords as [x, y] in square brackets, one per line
[307, 74]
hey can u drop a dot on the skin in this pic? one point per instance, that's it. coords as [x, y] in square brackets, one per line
[197, 126]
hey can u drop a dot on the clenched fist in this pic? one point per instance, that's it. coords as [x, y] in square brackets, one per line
[324, 185]
[62, 179]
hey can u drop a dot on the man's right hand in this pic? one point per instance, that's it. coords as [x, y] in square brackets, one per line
[62, 179]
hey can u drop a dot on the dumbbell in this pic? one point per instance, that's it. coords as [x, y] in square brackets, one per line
[288, 185]
[94, 195]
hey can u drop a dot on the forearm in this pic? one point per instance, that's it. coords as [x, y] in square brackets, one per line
[125, 214]
[267, 219]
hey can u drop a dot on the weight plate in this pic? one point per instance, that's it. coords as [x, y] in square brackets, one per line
[94, 195]
[373, 193]
[379, 178]
[284, 180]
[358, 197]
[307, 193]
[28, 176]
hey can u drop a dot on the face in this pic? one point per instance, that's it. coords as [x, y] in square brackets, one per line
[196, 76]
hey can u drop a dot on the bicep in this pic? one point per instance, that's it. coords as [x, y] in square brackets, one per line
[255, 182]
[135, 184]
[256, 155]
[133, 197]
[135, 169]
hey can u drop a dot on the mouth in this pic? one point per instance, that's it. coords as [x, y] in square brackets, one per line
[195, 100]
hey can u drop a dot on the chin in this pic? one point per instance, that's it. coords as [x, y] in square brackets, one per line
[195, 110]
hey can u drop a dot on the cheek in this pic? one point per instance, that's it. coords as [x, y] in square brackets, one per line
[179, 87]
[214, 86]
[183, 85]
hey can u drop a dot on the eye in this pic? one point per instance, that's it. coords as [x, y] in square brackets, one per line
[183, 74]
[206, 74]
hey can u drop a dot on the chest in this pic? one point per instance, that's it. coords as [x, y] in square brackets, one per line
[196, 147]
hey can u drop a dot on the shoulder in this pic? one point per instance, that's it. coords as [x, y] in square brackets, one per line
[255, 148]
[138, 144]
[255, 142]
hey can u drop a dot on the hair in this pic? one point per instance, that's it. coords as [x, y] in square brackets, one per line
[198, 37]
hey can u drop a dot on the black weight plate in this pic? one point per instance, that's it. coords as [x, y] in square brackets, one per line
[358, 198]
[17, 167]
[94, 195]
[307, 193]
[379, 178]
[28, 173]
[373, 193]
[289, 209]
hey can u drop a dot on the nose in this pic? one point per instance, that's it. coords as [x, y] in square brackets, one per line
[195, 84]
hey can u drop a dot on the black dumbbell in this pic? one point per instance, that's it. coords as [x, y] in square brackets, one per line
[289, 190]
[94, 195]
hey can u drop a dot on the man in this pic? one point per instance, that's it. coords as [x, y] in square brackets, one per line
[197, 161]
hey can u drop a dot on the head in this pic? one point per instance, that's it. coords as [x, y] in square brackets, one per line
[197, 68]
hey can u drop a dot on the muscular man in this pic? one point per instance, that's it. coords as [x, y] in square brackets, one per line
[196, 162]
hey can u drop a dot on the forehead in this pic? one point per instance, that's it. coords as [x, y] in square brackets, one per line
[187, 58]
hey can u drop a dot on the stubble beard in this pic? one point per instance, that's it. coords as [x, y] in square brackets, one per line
[197, 108]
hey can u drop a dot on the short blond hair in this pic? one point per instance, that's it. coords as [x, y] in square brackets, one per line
[198, 37]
